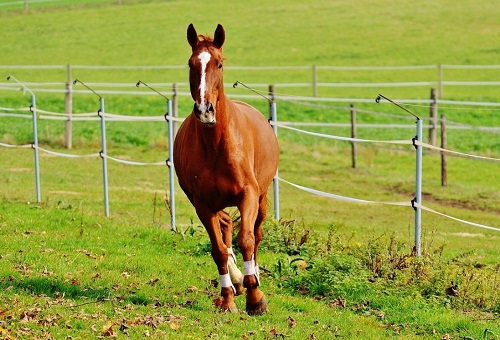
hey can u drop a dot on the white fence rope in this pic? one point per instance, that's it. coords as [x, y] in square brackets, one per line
[402, 204]
[399, 142]
[278, 124]
[342, 198]
[60, 154]
[345, 139]
[25, 146]
[123, 161]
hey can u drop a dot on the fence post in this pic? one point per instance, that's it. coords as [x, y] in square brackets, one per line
[175, 106]
[35, 137]
[315, 81]
[276, 189]
[103, 155]
[274, 119]
[170, 162]
[432, 117]
[418, 188]
[35, 147]
[354, 150]
[68, 136]
[444, 161]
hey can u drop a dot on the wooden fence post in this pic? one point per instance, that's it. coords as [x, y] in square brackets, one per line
[444, 162]
[68, 104]
[432, 116]
[354, 150]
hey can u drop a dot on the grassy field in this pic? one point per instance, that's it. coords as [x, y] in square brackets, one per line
[330, 268]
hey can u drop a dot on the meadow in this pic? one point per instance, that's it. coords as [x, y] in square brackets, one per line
[330, 268]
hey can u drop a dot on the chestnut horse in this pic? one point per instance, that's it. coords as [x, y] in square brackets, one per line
[225, 154]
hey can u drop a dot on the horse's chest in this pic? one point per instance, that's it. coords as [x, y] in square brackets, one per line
[217, 181]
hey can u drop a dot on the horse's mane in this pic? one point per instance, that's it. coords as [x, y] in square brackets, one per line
[205, 38]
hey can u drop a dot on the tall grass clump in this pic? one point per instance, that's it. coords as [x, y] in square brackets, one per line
[384, 278]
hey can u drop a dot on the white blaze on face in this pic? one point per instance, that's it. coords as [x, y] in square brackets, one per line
[204, 58]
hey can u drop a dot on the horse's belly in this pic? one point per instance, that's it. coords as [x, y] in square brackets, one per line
[215, 192]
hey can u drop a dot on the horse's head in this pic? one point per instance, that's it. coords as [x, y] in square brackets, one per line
[205, 72]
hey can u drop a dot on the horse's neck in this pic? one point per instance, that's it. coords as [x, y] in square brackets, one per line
[218, 136]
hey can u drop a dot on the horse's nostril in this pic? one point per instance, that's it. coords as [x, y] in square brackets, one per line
[210, 107]
[196, 109]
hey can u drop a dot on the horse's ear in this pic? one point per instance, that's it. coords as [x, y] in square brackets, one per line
[192, 36]
[219, 36]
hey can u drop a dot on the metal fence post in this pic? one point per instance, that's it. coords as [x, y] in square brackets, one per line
[35, 147]
[170, 163]
[68, 136]
[276, 189]
[103, 154]
[354, 149]
[35, 137]
[175, 106]
[418, 189]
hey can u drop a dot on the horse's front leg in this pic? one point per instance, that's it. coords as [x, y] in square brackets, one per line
[220, 255]
[226, 223]
[249, 207]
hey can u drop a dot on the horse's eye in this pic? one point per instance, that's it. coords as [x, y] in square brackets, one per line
[220, 65]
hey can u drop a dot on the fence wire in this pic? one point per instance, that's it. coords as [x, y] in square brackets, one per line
[116, 117]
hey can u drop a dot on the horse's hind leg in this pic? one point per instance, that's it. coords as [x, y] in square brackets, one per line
[226, 223]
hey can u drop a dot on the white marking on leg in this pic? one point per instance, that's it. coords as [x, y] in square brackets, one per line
[204, 58]
[225, 281]
[231, 253]
[250, 268]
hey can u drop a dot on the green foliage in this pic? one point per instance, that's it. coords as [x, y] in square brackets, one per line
[372, 279]
[65, 271]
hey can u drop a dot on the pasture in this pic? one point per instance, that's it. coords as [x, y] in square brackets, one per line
[330, 268]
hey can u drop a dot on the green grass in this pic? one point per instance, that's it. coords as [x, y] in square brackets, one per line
[331, 268]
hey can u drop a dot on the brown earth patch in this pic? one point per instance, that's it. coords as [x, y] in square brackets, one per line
[463, 204]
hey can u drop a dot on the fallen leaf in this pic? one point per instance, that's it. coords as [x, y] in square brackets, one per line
[152, 282]
[108, 331]
[291, 322]
[174, 325]
[339, 302]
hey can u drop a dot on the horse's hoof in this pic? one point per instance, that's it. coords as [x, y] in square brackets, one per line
[229, 310]
[258, 308]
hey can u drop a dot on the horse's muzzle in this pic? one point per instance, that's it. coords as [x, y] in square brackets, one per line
[205, 113]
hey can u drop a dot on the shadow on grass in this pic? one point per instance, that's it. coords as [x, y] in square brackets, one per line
[54, 288]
